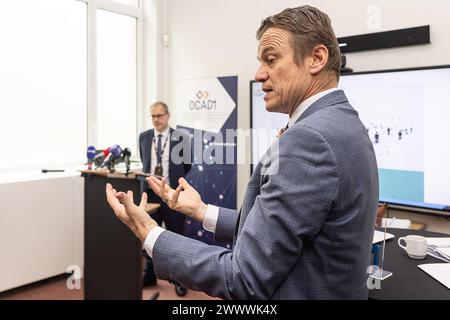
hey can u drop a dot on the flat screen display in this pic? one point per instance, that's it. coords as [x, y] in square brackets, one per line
[407, 116]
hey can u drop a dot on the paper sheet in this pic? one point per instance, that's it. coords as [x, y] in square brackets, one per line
[396, 223]
[439, 242]
[439, 248]
[378, 236]
[439, 271]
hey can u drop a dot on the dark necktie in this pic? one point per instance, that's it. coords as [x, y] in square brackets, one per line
[283, 130]
[158, 150]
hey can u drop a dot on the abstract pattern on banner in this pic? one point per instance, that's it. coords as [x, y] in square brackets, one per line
[207, 109]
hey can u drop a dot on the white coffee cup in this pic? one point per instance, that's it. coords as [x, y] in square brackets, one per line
[416, 246]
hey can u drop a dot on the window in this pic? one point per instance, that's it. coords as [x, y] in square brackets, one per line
[43, 83]
[116, 80]
[56, 96]
[133, 3]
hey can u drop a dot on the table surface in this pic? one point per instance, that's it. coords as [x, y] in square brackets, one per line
[408, 281]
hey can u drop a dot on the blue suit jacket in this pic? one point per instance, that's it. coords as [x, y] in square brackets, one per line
[306, 225]
[177, 169]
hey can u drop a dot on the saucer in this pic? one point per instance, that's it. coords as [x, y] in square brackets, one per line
[416, 257]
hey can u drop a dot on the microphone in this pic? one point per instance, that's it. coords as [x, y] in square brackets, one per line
[91, 153]
[100, 157]
[126, 154]
[114, 153]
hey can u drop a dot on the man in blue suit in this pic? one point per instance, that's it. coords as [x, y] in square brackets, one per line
[306, 225]
[156, 148]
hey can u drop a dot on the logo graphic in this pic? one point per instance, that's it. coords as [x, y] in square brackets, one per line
[203, 102]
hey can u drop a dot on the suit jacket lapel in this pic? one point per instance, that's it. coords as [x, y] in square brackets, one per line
[254, 185]
[335, 97]
[252, 191]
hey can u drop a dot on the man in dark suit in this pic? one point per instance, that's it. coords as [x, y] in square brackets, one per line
[306, 225]
[159, 158]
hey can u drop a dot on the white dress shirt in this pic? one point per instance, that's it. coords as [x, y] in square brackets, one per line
[165, 139]
[212, 213]
[306, 104]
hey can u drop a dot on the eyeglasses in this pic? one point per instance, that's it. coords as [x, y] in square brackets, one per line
[158, 116]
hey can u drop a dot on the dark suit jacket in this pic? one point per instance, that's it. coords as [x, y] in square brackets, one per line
[306, 225]
[180, 159]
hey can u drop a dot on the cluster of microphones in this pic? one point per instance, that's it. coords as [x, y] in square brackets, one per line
[108, 158]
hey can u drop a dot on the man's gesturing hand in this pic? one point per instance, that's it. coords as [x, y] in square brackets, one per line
[184, 199]
[135, 217]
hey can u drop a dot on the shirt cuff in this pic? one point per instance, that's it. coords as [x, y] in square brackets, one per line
[210, 220]
[151, 239]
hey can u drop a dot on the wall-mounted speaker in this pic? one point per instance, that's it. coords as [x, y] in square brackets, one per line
[385, 39]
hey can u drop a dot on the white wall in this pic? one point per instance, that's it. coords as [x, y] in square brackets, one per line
[217, 38]
[41, 229]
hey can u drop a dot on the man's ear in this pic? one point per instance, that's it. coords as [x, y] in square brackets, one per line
[319, 59]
